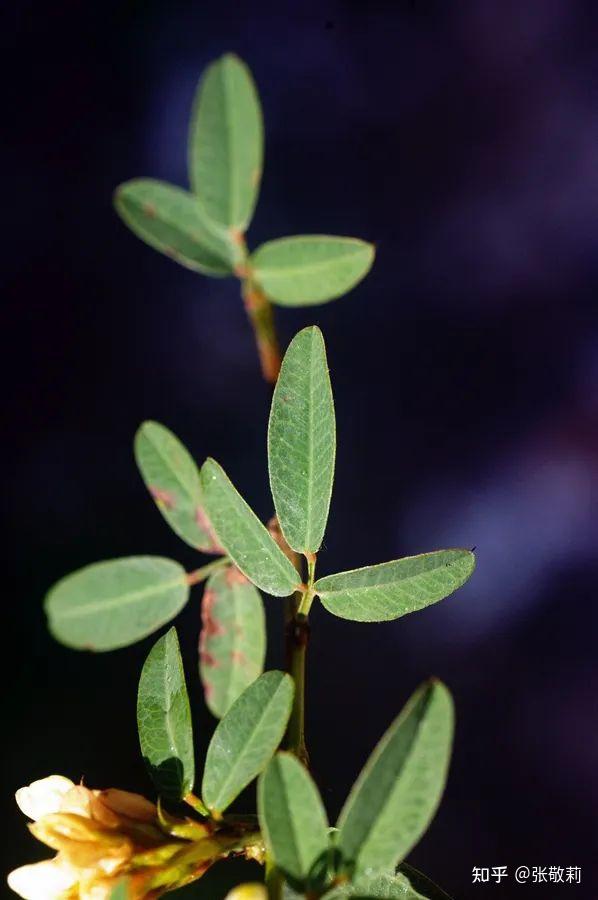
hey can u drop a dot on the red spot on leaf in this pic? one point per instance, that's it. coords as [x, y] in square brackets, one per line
[211, 626]
[162, 498]
[238, 658]
[205, 525]
[208, 659]
[234, 576]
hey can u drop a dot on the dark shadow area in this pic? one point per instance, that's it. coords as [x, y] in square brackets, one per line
[168, 774]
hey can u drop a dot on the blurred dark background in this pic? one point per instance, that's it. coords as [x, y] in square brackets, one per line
[462, 139]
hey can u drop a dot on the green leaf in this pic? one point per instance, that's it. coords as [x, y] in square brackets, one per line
[111, 604]
[407, 884]
[172, 221]
[302, 442]
[164, 719]
[397, 793]
[226, 143]
[373, 887]
[246, 738]
[393, 589]
[172, 478]
[309, 269]
[232, 644]
[240, 532]
[292, 818]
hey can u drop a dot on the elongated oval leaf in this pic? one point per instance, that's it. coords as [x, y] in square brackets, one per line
[397, 793]
[245, 539]
[232, 645]
[393, 589]
[373, 887]
[308, 269]
[226, 143]
[112, 604]
[292, 818]
[407, 884]
[302, 442]
[172, 221]
[172, 478]
[164, 719]
[246, 738]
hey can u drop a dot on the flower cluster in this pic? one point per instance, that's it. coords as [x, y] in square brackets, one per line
[103, 836]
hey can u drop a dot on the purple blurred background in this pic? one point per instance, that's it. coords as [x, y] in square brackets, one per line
[462, 138]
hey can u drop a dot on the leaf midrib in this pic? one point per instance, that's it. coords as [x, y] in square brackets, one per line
[216, 805]
[310, 448]
[273, 270]
[373, 587]
[227, 76]
[121, 600]
[251, 525]
[295, 843]
[372, 822]
[168, 706]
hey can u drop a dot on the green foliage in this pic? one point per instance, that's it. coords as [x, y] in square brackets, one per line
[246, 738]
[233, 638]
[310, 269]
[385, 887]
[293, 819]
[398, 791]
[112, 604]
[406, 884]
[172, 221]
[393, 589]
[226, 143]
[172, 478]
[302, 442]
[205, 230]
[247, 542]
[164, 719]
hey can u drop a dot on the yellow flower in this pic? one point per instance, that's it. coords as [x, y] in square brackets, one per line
[98, 836]
[102, 836]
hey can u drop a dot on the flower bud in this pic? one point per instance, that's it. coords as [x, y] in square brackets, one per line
[248, 892]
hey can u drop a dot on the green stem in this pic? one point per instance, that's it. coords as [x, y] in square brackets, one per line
[274, 880]
[297, 639]
[199, 575]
